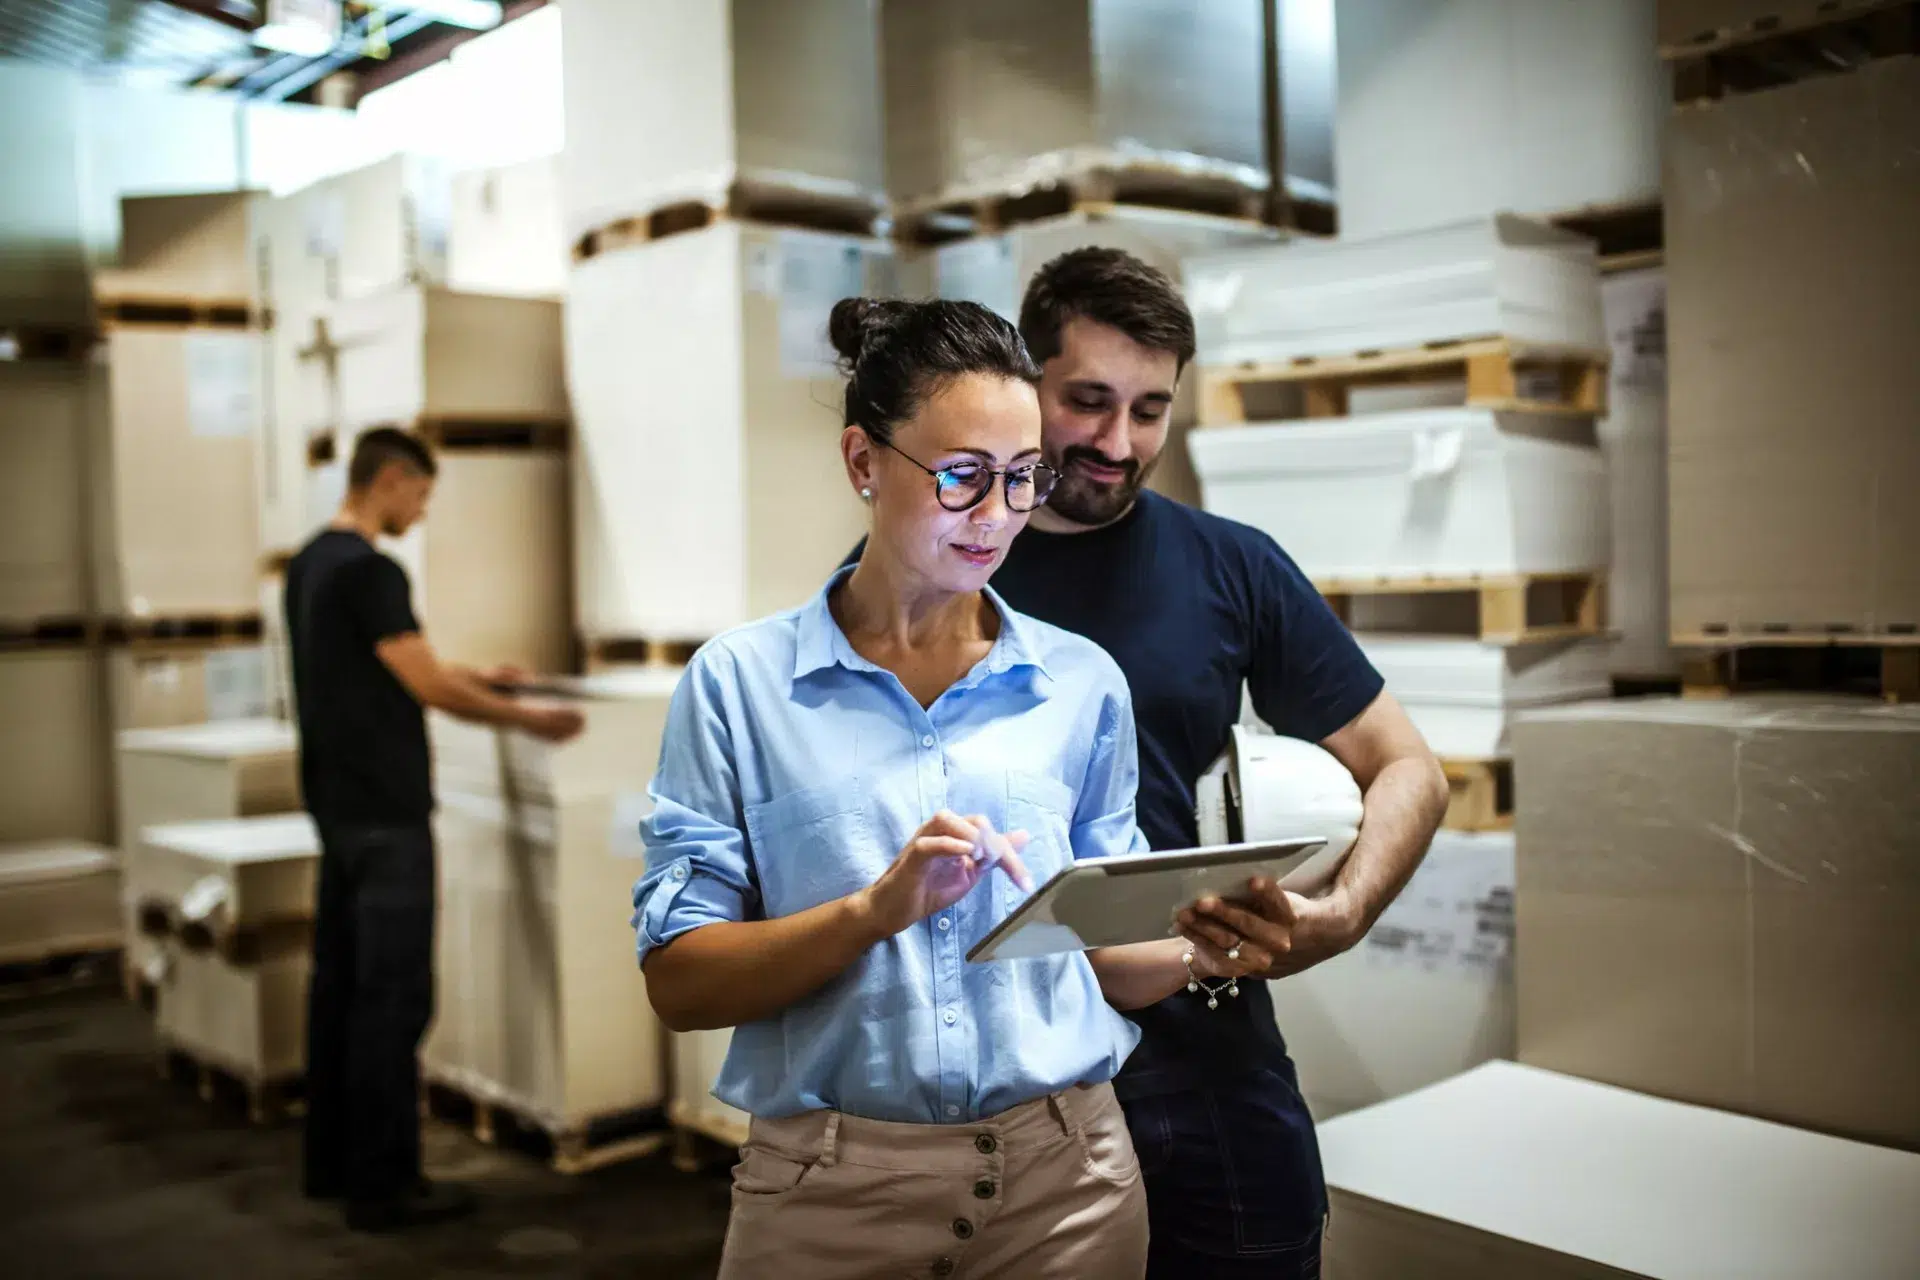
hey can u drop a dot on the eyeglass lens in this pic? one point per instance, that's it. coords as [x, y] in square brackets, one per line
[964, 484]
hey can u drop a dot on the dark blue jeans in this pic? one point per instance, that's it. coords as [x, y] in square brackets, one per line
[1234, 1185]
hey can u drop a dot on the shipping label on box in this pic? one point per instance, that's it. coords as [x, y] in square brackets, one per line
[982, 271]
[238, 684]
[814, 274]
[1456, 913]
[1635, 305]
[223, 380]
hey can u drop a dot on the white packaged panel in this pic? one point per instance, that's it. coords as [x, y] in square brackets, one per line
[1633, 436]
[247, 1019]
[1427, 994]
[508, 231]
[57, 898]
[1512, 1171]
[1494, 276]
[45, 414]
[233, 871]
[54, 780]
[1426, 493]
[1460, 693]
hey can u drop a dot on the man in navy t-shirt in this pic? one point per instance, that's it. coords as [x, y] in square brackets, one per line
[1193, 607]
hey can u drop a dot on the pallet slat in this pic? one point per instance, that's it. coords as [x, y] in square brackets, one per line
[1480, 795]
[1499, 373]
[577, 1149]
[1513, 609]
[743, 202]
[1804, 43]
[1097, 189]
[1888, 669]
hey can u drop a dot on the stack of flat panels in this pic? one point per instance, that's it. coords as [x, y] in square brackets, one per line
[989, 96]
[508, 231]
[1426, 995]
[679, 100]
[1633, 436]
[57, 898]
[237, 896]
[233, 769]
[46, 414]
[1512, 1171]
[1462, 695]
[55, 761]
[708, 488]
[541, 1005]
[1487, 277]
[1423, 493]
[163, 686]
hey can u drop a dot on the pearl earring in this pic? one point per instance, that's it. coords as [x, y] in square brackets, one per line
[867, 494]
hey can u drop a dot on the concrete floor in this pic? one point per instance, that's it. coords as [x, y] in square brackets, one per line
[106, 1171]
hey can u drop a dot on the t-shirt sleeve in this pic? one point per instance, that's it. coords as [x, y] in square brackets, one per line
[1308, 677]
[384, 601]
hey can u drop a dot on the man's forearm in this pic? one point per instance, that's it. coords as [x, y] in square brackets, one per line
[1402, 810]
[466, 695]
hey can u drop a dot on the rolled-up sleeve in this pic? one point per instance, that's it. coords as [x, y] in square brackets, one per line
[1103, 819]
[698, 872]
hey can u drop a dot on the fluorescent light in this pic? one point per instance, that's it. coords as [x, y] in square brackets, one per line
[302, 39]
[477, 15]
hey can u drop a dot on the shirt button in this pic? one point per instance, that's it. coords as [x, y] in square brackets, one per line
[963, 1229]
[950, 1017]
[983, 1189]
[944, 923]
[985, 1144]
[952, 1110]
[927, 741]
[679, 873]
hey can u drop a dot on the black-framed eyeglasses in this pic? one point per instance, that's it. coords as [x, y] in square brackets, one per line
[962, 486]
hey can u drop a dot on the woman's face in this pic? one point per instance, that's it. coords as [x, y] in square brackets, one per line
[975, 418]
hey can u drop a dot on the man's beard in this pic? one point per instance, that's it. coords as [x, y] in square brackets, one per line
[1084, 501]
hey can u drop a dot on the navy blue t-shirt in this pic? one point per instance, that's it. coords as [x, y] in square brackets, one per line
[1193, 606]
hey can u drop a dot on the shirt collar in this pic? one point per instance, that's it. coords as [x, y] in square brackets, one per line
[819, 642]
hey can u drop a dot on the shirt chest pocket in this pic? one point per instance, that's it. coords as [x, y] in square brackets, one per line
[814, 845]
[1043, 808]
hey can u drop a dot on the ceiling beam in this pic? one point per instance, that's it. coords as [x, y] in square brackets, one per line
[238, 14]
[436, 48]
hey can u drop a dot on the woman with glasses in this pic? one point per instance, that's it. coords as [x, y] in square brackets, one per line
[850, 794]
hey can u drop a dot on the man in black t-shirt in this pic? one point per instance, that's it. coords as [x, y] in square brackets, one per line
[362, 674]
[1194, 608]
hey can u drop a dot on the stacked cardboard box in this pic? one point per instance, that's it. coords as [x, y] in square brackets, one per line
[46, 412]
[536, 1010]
[508, 231]
[1381, 507]
[54, 755]
[57, 898]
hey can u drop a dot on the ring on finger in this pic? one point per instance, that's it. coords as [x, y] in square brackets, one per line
[1233, 952]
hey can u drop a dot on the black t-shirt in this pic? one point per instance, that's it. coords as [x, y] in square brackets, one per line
[1194, 607]
[363, 738]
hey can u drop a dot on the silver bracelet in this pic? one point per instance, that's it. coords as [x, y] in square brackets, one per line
[1196, 983]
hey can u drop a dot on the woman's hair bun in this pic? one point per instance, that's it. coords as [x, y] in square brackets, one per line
[856, 322]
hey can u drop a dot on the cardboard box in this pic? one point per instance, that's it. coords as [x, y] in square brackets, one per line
[57, 898]
[1686, 22]
[1791, 442]
[46, 410]
[1633, 438]
[1715, 904]
[54, 758]
[250, 1020]
[1426, 995]
[1446, 492]
[535, 1008]
[995, 271]
[416, 353]
[509, 231]
[231, 875]
[671, 100]
[995, 95]
[184, 247]
[160, 687]
[708, 486]
[1511, 1171]
[175, 521]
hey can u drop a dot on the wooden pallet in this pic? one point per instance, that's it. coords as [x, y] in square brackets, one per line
[1804, 42]
[633, 651]
[746, 201]
[1500, 373]
[200, 630]
[1886, 666]
[90, 963]
[1095, 190]
[1628, 235]
[1512, 609]
[176, 311]
[1480, 795]
[47, 342]
[265, 1101]
[1650, 686]
[595, 1144]
[511, 433]
[60, 632]
[249, 944]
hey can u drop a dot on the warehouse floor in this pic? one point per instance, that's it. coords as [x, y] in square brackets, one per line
[110, 1171]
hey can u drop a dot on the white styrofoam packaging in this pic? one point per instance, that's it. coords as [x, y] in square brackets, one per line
[1500, 276]
[1460, 693]
[1427, 994]
[1633, 436]
[1455, 108]
[1423, 493]
[708, 483]
[670, 100]
[508, 232]
[1508, 1170]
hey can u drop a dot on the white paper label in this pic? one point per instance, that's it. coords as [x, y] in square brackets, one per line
[237, 684]
[763, 270]
[981, 271]
[1635, 307]
[815, 273]
[223, 379]
[630, 808]
[1456, 912]
[161, 677]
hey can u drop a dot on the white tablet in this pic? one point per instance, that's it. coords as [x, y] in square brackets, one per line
[1107, 902]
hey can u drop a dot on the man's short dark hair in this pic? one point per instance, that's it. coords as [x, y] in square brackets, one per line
[376, 448]
[1110, 287]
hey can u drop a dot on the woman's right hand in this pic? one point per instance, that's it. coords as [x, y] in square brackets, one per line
[937, 868]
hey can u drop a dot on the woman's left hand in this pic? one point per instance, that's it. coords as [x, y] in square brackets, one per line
[1218, 952]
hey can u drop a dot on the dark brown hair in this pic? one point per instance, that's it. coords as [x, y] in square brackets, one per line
[1110, 287]
[376, 448]
[896, 354]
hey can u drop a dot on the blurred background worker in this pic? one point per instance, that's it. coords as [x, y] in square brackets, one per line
[363, 674]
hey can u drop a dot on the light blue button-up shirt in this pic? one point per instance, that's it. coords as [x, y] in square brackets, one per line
[794, 771]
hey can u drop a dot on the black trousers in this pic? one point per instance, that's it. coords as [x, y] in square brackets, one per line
[368, 1006]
